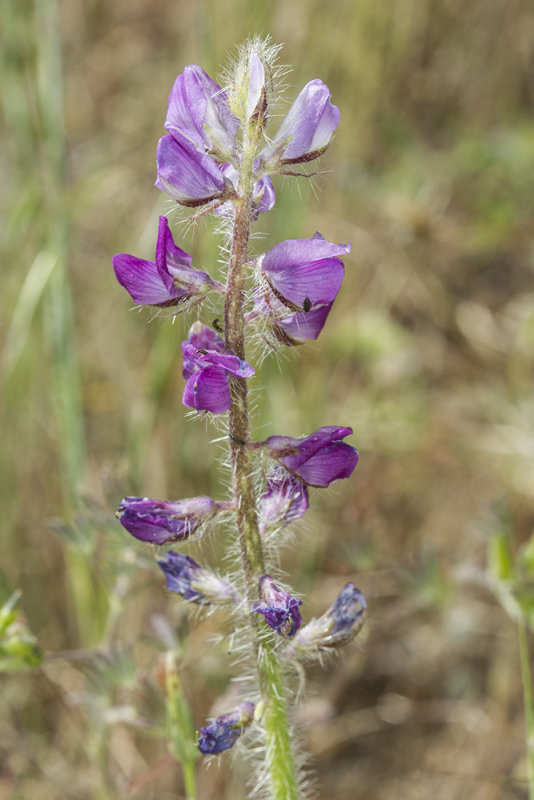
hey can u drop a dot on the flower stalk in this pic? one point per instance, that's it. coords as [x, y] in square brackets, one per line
[217, 157]
[277, 734]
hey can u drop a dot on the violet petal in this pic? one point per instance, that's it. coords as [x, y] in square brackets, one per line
[198, 109]
[143, 281]
[318, 459]
[186, 174]
[207, 390]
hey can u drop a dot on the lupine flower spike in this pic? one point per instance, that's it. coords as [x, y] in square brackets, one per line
[219, 154]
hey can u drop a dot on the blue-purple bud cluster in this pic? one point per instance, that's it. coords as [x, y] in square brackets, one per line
[224, 731]
[291, 289]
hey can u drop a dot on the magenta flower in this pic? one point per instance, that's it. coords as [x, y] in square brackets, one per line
[184, 576]
[223, 732]
[164, 521]
[170, 280]
[280, 609]
[198, 109]
[337, 625]
[318, 459]
[285, 500]
[307, 128]
[304, 273]
[207, 366]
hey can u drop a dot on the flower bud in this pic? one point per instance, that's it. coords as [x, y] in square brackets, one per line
[279, 608]
[164, 521]
[224, 731]
[184, 576]
[336, 626]
[257, 95]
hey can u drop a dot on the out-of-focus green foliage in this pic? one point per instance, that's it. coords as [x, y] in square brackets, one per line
[18, 647]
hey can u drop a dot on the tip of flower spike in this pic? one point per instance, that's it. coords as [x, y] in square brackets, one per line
[252, 80]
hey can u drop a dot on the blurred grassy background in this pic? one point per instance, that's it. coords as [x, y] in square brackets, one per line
[428, 354]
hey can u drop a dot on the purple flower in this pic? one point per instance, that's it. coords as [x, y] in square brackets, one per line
[185, 576]
[198, 109]
[280, 609]
[318, 459]
[304, 273]
[337, 625]
[189, 176]
[164, 521]
[307, 128]
[285, 500]
[290, 329]
[170, 280]
[223, 732]
[196, 161]
[206, 366]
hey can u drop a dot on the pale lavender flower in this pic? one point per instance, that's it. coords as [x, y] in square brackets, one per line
[304, 273]
[307, 128]
[337, 625]
[184, 576]
[224, 731]
[285, 500]
[188, 175]
[164, 521]
[280, 609]
[317, 459]
[198, 109]
[195, 162]
[207, 366]
[170, 280]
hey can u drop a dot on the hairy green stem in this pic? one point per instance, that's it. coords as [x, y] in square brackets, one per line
[276, 724]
